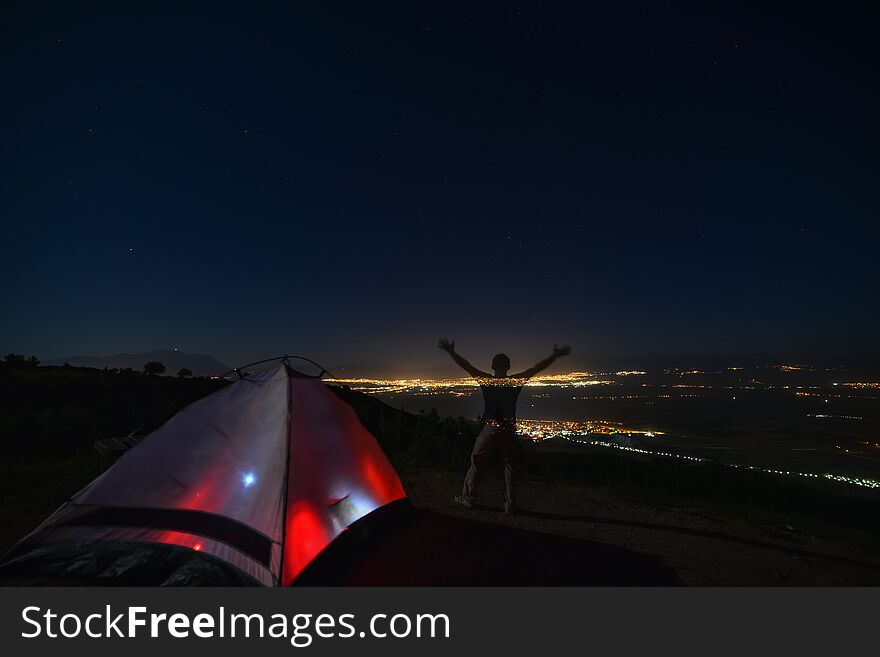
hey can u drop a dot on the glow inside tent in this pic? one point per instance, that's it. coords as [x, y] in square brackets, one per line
[261, 475]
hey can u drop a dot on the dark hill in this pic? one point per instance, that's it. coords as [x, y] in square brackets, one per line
[172, 359]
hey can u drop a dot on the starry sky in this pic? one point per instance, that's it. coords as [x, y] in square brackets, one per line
[353, 181]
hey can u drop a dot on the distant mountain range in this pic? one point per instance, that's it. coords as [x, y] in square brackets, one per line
[206, 365]
[172, 359]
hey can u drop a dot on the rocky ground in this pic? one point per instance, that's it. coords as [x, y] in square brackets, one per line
[704, 547]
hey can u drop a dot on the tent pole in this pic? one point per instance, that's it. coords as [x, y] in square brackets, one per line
[286, 474]
[285, 358]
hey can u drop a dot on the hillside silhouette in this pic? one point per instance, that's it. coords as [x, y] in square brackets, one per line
[173, 359]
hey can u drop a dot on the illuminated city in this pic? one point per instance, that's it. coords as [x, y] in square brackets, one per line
[564, 406]
[538, 430]
[463, 386]
[466, 385]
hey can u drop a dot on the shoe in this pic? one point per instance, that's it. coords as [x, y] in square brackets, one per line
[466, 502]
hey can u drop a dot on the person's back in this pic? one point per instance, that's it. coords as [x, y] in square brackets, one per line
[498, 436]
[499, 398]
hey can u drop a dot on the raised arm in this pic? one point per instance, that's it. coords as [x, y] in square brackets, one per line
[449, 348]
[558, 352]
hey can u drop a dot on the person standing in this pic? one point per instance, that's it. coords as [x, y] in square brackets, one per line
[498, 435]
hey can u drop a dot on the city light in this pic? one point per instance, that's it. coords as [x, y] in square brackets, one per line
[617, 435]
[864, 482]
[467, 385]
[537, 430]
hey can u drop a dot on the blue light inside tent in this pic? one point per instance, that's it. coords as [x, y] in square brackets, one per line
[249, 479]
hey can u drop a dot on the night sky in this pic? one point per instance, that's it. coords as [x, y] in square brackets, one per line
[353, 181]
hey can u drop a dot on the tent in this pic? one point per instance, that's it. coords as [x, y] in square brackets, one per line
[245, 486]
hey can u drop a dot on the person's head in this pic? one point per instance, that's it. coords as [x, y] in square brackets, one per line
[501, 364]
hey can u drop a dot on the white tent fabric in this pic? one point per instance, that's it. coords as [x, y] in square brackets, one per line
[262, 475]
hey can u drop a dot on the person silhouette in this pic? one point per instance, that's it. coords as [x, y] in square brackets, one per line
[498, 435]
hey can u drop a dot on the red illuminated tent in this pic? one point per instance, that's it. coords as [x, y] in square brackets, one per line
[245, 486]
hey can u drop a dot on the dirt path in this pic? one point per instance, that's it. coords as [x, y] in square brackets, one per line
[703, 548]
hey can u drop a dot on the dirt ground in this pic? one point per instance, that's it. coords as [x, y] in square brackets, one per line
[703, 547]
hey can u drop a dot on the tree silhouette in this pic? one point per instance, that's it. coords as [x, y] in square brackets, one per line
[184, 373]
[154, 367]
[14, 360]
[18, 361]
